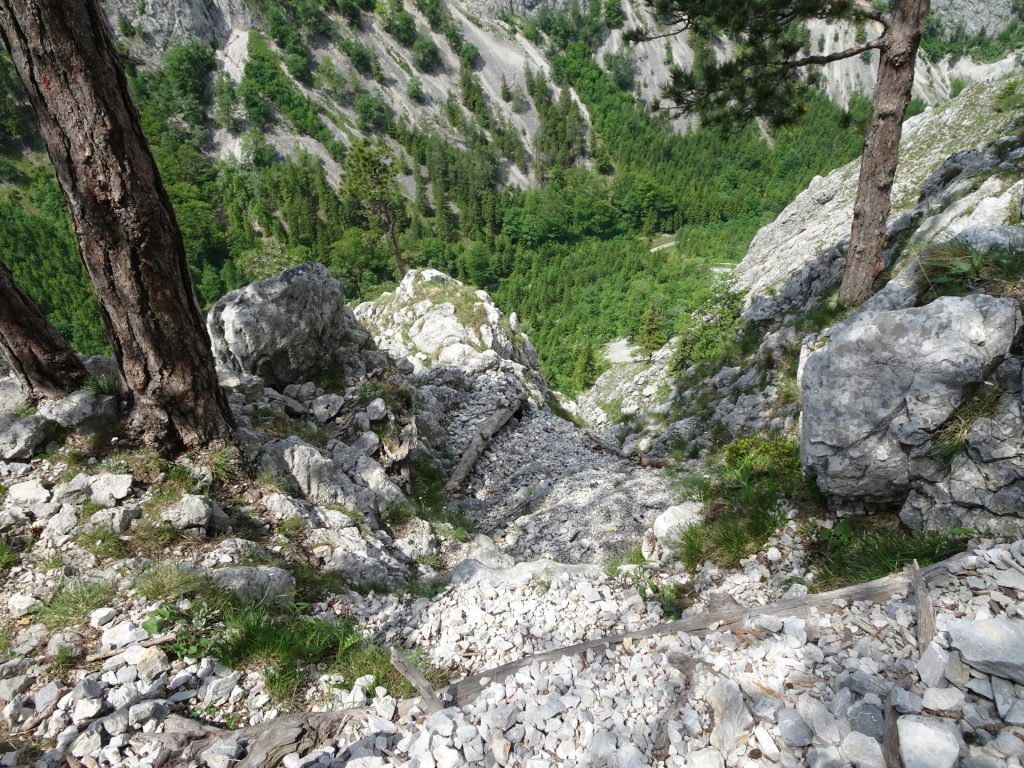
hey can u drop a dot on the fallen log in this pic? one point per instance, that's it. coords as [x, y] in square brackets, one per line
[642, 459]
[267, 743]
[170, 637]
[482, 438]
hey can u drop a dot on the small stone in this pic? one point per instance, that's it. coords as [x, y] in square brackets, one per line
[794, 731]
[863, 751]
[995, 646]
[101, 617]
[27, 493]
[705, 758]
[125, 633]
[867, 719]
[932, 665]
[926, 742]
[905, 702]
[152, 663]
[12, 686]
[732, 719]
[943, 699]
[148, 711]
[21, 605]
[377, 409]
[87, 744]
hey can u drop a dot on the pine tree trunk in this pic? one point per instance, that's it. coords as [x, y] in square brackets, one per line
[41, 359]
[893, 91]
[129, 239]
[393, 239]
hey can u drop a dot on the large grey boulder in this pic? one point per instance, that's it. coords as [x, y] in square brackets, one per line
[873, 396]
[282, 329]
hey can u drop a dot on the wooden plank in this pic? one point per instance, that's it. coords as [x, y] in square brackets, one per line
[891, 739]
[925, 609]
[875, 591]
[429, 701]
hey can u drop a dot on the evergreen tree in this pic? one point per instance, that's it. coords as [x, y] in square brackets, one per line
[651, 337]
[370, 183]
[587, 368]
[128, 236]
[763, 79]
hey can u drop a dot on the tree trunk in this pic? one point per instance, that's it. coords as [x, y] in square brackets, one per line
[127, 233]
[393, 239]
[893, 91]
[41, 359]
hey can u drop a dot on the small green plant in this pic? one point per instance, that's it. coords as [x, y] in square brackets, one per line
[101, 541]
[429, 559]
[160, 619]
[24, 411]
[169, 581]
[102, 385]
[954, 268]
[331, 379]
[630, 557]
[10, 553]
[73, 603]
[223, 463]
[291, 527]
[270, 481]
[951, 438]
[399, 515]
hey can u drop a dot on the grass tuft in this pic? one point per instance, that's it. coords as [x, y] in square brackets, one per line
[741, 498]
[169, 581]
[73, 603]
[103, 542]
[857, 551]
[951, 438]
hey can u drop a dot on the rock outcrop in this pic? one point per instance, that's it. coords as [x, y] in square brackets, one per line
[953, 174]
[886, 382]
[283, 329]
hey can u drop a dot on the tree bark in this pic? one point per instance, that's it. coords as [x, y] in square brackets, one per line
[41, 359]
[893, 91]
[399, 261]
[127, 233]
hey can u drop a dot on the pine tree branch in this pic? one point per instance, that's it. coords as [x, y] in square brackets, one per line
[877, 43]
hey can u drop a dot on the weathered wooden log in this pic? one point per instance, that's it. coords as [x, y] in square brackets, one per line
[268, 742]
[428, 699]
[925, 610]
[485, 433]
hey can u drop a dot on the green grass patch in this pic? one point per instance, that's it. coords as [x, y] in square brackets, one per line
[741, 495]
[858, 550]
[954, 268]
[630, 557]
[73, 602]
[10, 552]
[169, 581]
[103, 542]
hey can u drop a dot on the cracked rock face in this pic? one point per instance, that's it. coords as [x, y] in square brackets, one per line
[283, 328]
[886, 382]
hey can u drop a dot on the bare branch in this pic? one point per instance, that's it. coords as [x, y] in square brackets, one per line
[877, 43]
[637, 36]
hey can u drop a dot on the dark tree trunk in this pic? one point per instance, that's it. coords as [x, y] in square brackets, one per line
[129, 239]
[893, 91]
[393, 240]
[41, 359]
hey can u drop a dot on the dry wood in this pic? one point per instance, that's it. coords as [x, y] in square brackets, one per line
[925, 609]
[891, 739]
[428, 699]
[270, 741]
[159, 640]
[643, 460]
[485, 432]
[40, 717]
[873, 591]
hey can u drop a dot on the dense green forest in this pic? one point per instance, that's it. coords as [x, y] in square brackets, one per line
[570, 254]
